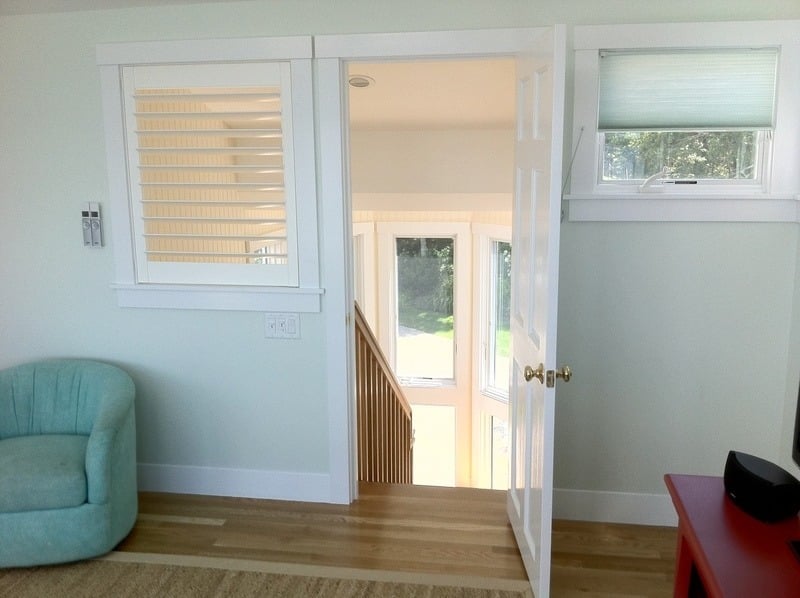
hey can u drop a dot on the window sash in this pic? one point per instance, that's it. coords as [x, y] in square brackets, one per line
[424, 355]
[642, 164]
[697, 89]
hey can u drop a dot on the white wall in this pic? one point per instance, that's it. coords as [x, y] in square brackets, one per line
[221, 409]
[433, 161]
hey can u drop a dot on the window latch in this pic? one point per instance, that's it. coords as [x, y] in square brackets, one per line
[649, 185]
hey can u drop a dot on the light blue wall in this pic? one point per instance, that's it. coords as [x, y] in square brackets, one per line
[678, 334]
[213, 392]
[792, 400]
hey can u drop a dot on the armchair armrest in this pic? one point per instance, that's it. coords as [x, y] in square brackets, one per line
[112, 443]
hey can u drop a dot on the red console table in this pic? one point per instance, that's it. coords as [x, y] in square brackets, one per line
[724, 552]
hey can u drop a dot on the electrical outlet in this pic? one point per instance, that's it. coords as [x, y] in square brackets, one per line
[282, 325]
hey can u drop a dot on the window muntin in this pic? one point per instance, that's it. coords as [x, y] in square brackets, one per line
[425, 343]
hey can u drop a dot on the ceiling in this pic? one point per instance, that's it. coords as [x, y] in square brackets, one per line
[438, 94]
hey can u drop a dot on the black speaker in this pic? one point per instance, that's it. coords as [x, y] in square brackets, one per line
[760, 488]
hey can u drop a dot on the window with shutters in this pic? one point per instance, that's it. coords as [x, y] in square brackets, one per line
[219, 195]
[208, 166]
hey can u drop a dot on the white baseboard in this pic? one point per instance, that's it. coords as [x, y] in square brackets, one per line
[614, 507]
[585, 505]
[247, 483]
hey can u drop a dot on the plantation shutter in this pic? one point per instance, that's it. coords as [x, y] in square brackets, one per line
[211, 172]
[724, 89]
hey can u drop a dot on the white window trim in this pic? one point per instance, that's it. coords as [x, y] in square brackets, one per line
[775, 202]
[364, 234]
[483, 237]
[306, 297]
[387, 232]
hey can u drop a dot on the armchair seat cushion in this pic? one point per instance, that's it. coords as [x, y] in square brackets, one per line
[42, 472]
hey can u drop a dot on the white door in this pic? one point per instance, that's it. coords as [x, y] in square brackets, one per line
[534, 299]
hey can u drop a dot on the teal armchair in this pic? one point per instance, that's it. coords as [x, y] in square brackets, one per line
[67, 461]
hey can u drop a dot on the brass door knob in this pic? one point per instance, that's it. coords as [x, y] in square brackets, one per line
[538, 373]
[565, 373]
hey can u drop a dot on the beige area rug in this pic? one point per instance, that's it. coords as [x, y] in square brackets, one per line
[121, 574]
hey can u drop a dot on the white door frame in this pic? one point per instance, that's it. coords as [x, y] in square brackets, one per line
[331, 53]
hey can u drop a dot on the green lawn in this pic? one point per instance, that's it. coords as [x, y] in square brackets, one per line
[442, 325]
[427, 321]
[503, 339]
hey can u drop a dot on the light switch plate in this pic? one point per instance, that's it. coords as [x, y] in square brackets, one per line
[285, 325]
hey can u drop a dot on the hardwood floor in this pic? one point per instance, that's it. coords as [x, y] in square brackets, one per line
[452, 531]
[605, 559]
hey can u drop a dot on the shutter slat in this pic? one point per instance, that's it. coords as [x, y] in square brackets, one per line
[208, 220]
[207, 97]
[227, 116]
[227, 133]
[242, 168]
[229, 151]
[213, 203]
[255, 256]
[217, 237]
[217, 186]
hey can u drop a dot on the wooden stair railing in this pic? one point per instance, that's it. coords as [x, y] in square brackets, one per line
[385, 435]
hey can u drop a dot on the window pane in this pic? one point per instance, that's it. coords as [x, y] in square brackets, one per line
[719, 155]
[425, 346]
[500, 317]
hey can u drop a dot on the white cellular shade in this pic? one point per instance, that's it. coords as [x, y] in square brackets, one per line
[687, 89]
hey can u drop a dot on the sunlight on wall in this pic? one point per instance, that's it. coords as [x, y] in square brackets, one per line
[434, 445]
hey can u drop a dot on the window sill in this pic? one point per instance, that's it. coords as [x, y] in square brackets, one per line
[667, 207]
[234, 298]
